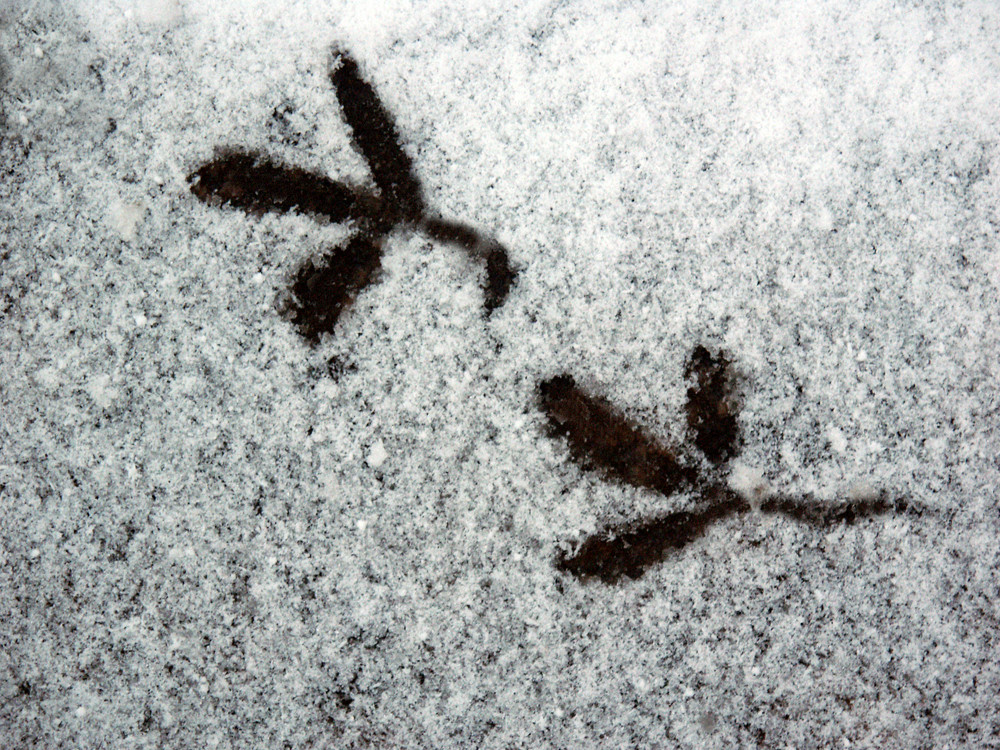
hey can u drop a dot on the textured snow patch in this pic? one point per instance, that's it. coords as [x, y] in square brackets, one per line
[749, 482]
[126, 218]
[247, 540]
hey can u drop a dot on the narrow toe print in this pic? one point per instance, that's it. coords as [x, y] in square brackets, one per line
[629, 551]
[324, 289]
[256, 184]
[817, 513]
[599, 436]
[376, 137]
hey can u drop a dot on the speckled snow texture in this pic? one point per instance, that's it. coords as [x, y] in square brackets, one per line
[214, 536]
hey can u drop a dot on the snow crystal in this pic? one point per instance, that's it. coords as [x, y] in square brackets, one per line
[836, 437]
[99, 389]
[749, 482]
[125, 219]
[377, 454]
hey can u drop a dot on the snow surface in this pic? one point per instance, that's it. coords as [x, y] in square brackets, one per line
[207, 540]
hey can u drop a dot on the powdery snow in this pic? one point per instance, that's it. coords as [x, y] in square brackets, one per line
[215, 535]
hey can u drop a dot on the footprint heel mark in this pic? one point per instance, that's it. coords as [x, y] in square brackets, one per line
[601, 437]
[376, 137]
[711, 405]
[256, 184]
[322, 290]
[630, 550]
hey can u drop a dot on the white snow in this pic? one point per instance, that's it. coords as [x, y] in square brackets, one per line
[159, 12]
[377, 454]
[354, 544]
[837, 439]
[749, 482]
[100, 390]
[126, 218]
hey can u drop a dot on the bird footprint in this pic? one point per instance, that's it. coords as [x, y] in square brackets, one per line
[323, 289]
[600, 437]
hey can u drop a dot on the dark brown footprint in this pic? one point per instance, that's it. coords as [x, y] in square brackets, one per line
[628, 550]
[711, 405]
[376, 137]
[256, 184]
[601, 438]
[323, 289]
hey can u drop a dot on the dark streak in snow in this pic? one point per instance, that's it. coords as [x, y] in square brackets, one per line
[601, 437]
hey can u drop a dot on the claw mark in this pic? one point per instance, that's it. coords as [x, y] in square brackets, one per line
[600, 437]
[324, 289]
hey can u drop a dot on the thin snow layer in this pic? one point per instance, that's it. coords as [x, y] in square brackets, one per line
[213, 535]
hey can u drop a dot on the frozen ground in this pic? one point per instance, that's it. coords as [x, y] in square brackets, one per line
[213, 535]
